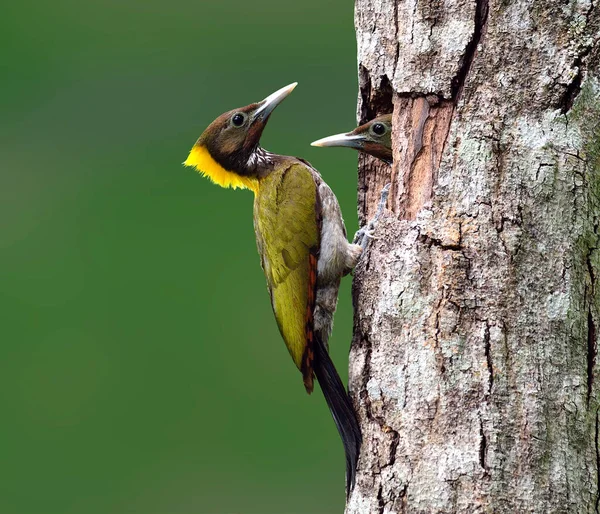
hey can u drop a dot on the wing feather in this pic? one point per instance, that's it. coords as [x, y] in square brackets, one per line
[287, 225]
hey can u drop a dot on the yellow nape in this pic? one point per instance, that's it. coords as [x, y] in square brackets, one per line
[204, 163]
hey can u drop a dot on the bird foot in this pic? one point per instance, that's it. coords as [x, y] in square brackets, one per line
[363, 235]
[367, 232]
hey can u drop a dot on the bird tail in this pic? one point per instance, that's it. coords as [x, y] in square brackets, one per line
[341, 409]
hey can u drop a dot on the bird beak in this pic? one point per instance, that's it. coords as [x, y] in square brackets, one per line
[267, 106]
[351, 140]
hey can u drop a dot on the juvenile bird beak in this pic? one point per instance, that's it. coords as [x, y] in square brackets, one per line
[351, 140]
[272, 101]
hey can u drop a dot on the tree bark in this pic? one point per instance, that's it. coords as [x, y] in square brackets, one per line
[473, 366]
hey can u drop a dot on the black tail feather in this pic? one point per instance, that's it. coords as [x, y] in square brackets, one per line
[341, 409]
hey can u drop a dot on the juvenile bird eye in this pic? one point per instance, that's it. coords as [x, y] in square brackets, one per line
[238, 119]
[378, 128]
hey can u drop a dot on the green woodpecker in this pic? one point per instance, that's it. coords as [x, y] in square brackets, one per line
[374, 138]
[302, 244]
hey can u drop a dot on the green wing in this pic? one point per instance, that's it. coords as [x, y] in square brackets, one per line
[286, 221]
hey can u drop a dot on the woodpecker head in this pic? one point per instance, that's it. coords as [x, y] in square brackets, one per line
[228, 151]
[374, 138]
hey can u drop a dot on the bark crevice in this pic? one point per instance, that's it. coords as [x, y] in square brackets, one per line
[380, 502]
[374, 100]
[481, 16]
[573, 88]
[366, 374]
[597, 441]
[572, 91]
[488, 357]
[482, 446]
[433, 241]
[592, 349]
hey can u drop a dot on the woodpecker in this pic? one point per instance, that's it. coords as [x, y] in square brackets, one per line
[374, 138]
[302, 242]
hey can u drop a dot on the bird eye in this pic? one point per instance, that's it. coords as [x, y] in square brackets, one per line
[238, 119]
[378, 129]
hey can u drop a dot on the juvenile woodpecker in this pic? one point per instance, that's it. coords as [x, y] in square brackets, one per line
[374, 138]
[302, 244]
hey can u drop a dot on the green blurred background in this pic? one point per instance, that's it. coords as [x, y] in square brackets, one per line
[141, 370]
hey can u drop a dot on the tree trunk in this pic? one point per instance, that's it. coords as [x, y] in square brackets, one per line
[473, 365]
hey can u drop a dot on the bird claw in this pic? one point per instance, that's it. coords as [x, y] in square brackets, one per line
[363, 235]
[382, 200]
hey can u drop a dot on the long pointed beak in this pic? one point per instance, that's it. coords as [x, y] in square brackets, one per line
[273, 100]
[351, 140]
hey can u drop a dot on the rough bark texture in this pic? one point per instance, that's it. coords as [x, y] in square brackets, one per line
[473, 365]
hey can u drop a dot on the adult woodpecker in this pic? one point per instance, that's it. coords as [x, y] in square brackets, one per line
[374, 138]
[302, 244]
